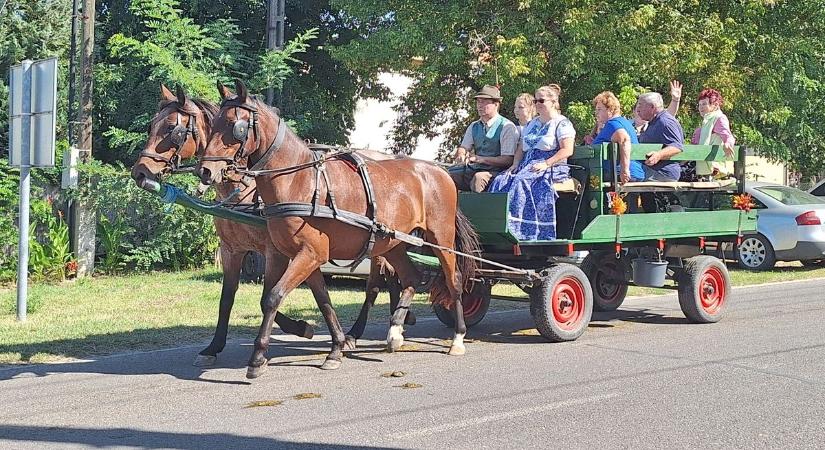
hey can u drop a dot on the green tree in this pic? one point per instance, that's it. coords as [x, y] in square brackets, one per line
[771, 74]
[163, 45]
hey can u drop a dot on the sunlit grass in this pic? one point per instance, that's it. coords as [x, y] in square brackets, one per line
[102, 315]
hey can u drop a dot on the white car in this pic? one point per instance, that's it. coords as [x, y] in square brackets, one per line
[790, 227]
[253, 268]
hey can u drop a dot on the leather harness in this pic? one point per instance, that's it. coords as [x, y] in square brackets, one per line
[318, 207]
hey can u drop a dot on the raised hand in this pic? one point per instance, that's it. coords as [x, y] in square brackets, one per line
[675, 90]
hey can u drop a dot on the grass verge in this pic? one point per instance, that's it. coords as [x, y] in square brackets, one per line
[104, 315]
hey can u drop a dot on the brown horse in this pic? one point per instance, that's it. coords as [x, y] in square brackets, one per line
[409, 195]
[169, 143]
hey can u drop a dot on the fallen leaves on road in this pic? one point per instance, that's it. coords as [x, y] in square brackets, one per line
[410, 386]
[526, 332]
[264, 403]
[396, 374]
[409, 348]
[306, 395]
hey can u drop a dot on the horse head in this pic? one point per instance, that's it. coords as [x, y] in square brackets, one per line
[243, 128]
[177, 132]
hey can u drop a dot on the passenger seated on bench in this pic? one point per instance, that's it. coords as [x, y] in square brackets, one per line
[715, 130]
[663, 129]
[488, 145]
[619, 130]
[672, 108]
[547, 142]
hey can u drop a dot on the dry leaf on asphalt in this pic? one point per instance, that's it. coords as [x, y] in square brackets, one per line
[264, 403]
[306, 395]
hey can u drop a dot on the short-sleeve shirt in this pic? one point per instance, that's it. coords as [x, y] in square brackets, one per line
[606, 135]
[545, 136]
[509, 136]
[666, 130]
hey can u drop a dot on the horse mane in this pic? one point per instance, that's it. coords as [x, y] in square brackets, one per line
[209, 109]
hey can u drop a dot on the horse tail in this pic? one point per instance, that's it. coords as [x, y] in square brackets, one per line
[466, 241]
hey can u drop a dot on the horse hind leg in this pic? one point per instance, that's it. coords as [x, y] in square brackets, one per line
[319, 289]
[453, 281]
[408, 277]
[374, 282]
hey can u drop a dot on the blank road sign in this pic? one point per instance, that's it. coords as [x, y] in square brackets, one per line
[43, 113]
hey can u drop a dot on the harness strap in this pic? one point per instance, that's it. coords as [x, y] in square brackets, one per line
[295, 209]
[273, 148]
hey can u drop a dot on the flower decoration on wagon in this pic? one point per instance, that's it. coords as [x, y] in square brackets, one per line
[743, 202]
[595, 182]
[617, 203]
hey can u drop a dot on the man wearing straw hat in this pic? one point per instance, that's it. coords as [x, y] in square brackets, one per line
[488, 145]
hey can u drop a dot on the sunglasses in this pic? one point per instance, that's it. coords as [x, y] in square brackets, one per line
[542, 100]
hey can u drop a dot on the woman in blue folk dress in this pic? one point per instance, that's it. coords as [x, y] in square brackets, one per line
[547, 142]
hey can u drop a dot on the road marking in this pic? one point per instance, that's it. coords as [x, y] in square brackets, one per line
[500, 416]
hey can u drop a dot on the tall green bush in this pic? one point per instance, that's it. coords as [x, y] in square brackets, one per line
[137, 230]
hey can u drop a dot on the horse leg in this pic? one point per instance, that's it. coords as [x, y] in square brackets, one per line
[231, 262]
[393, 285]
[302, 266]
[452, 277]
[319, 289]
[407, 275]
[276, 264]
[373, 288]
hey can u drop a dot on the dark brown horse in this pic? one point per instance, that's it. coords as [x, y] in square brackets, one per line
[178, 132]
[410, 195]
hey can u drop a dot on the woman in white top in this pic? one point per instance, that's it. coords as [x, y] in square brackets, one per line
[547, 142]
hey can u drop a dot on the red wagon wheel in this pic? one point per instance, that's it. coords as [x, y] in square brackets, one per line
[562, 303]
[704, 286]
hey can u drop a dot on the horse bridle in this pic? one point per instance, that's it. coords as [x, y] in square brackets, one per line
[177, 135]
[240, 132]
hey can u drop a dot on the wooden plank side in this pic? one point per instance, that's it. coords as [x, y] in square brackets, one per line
[637, 227]
[689, 153]
[488, 214]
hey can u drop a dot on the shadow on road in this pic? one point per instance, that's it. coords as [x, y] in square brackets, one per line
[129, 437]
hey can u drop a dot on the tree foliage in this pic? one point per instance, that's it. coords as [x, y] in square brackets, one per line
[164, 46]
[770, 73]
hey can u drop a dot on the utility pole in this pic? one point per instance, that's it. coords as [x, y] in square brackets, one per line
[84, 218]
[275, 18]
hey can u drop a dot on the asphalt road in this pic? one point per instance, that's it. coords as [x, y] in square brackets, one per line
[641, 377]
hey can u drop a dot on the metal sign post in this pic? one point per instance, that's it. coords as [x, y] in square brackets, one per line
[32, 120]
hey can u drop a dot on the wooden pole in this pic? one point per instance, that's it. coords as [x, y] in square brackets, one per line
[84, 219]
[275, 17]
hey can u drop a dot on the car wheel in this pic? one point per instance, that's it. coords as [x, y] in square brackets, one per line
[755, 253]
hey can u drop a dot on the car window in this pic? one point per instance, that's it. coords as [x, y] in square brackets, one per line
[819, 191]
[790, 196]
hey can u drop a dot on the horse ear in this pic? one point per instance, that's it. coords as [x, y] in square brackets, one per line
[166, 94]
[241, 90]
[224, 91]
[181, 96]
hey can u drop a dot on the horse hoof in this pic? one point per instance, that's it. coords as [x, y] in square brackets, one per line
[308, 332]
[394, 344]
[395, 338]
[253, 372]
[204, 360]
[349, 343]
[457, 350]
[410, 319]
[331, 364]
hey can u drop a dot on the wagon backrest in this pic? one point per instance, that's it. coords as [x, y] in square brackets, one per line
[598, 183]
